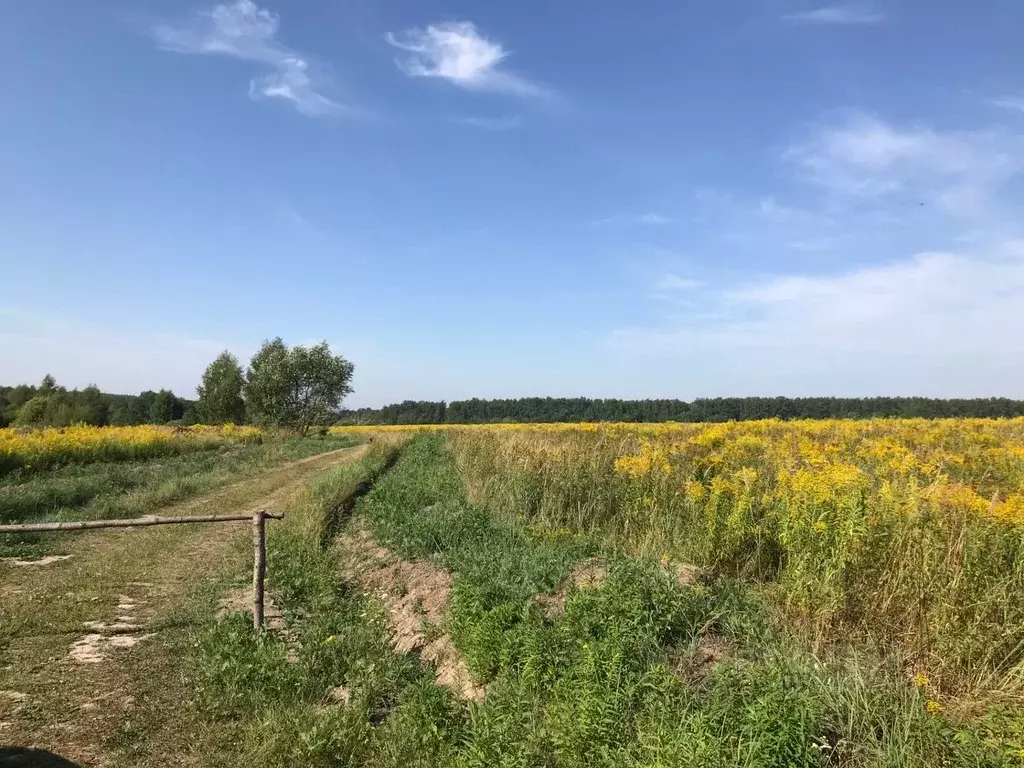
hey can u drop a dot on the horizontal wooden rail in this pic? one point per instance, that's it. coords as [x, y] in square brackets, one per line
[259, 546]
[137, 522]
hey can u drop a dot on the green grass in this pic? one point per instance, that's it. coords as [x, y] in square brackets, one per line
[262, 709]
[619, 679]
[130, 489]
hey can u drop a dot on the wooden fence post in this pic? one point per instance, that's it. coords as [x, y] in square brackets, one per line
[259, 567]
[259, 544]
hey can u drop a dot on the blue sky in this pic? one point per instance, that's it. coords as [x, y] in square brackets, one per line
[610, 199]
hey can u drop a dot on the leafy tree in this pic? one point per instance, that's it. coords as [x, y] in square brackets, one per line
[32, 412]
[220, 394]
[93, 407]
[297, 387]
[143, 408]
[122, 413]
[165, 407]
[13, 400]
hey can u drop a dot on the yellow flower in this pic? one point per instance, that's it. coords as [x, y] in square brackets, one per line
[920, 680]
[820, 526]
[933, 707]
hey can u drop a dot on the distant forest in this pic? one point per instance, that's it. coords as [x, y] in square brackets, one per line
[50, 405]
[574, 409]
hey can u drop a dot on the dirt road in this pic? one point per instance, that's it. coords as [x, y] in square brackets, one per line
[89, 641]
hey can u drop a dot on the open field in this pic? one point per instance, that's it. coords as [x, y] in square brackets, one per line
[825, 593]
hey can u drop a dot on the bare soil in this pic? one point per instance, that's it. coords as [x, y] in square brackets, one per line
[415, 593]
[585, 574]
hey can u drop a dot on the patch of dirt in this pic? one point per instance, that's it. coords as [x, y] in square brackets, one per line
[416, 593]
[340, 694]
[95, 646]
[585, 574]
[697, 662]
[240, 601]
[49, 559]
[687, 574]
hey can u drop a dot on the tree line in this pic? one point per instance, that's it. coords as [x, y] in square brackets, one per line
[51, 405]
[563, 409]
[295, 388]
[300, 388]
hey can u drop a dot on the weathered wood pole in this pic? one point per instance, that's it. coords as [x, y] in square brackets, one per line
[259, 567]
[137, 522]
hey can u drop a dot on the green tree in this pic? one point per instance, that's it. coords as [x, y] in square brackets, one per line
[142, 408]
[220, 394]
[297, 387]
[93, 407]
[15, 398]
[32, 412]
[165, 407]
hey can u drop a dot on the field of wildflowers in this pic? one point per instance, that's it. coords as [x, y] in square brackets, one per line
[908, 533]
[32, 450]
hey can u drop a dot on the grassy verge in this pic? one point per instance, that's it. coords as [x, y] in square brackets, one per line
[130, 489]
[327, 705]
[639, 670]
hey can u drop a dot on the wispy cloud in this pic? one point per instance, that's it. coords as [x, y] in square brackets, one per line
[891, 326]
[242, 30]
[930, 321]
[1015, 103]
[837, 14]
[653, 218]
[457, 52]
[773, 211]
[866, 157]
[503, 123]
[671, 282]
[649, 218]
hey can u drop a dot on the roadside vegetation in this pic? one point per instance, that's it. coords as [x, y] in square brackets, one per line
[648, 662]
[130, 488]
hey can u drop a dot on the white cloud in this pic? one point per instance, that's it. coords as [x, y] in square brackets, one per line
[917, 288]
[891, 327]
[653, 218]
[503, 123]
[243, 30]
[672, 282]
[815, 244]
[457, 52]
[1015, 103]
[866, 157]
[649, 218]
[837, 14]
[771, 210]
